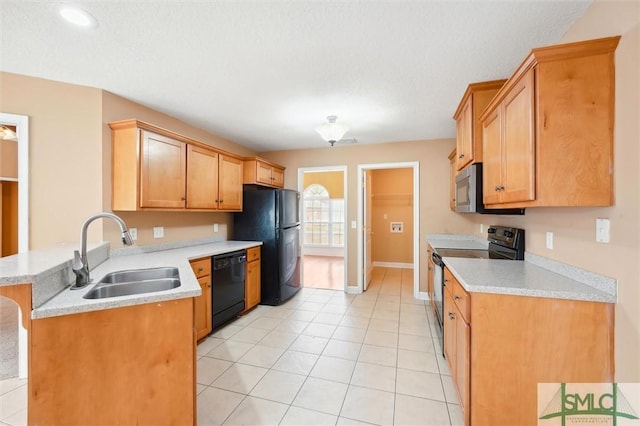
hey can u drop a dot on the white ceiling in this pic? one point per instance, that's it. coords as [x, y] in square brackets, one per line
[266, 73]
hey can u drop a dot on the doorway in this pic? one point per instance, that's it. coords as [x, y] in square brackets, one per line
[392, 208]
[15, 180]
[323, 195]
[14, 234]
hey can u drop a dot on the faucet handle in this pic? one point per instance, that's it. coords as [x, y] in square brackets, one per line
[77, 262]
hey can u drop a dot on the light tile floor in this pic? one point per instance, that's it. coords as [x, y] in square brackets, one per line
[322, 358]
[326, 357]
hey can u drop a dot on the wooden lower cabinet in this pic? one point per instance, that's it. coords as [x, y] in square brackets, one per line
[511, 343]
[202, 308]
[457, 338]
[130, 365]
[252, 279]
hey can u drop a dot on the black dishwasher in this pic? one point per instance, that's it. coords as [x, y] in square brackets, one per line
[227, 290]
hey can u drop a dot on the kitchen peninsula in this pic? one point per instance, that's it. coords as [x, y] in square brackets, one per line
[120, 360]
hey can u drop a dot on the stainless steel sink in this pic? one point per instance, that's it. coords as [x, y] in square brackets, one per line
[136, 281]
[139, 275]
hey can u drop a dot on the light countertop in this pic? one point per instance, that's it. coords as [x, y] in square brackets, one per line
[536, 276]
[520, 278]
[466, 242]
[50, 271]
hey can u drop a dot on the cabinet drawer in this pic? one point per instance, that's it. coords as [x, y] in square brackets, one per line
[461, 299]
[201, 267]
[460, 296]
[253, 253]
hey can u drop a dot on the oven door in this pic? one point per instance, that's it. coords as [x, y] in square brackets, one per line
[438, 287]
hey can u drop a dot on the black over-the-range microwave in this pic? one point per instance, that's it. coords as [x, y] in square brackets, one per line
[469, 193]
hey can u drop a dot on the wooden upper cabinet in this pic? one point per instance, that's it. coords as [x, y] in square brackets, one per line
[230, 185]
[262, 172]
[156, 169]
[508, 172]
[162, 178]
[452, 180]
[549, 131]
[468, 126]
[202, 178]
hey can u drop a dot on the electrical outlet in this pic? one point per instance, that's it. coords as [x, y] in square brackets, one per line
[481, 228]
[354, 224]
[215, 227]
[134, 233]
[603, 230]
[158, 232]
[550, 240]
[384, 216]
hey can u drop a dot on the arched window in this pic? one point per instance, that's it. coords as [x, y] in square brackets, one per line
[323, 218]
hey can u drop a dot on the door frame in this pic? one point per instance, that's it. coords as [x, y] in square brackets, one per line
[415, 165]
[343, 169]
[22, 130]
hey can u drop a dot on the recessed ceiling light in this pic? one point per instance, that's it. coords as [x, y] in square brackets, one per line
[78, 17]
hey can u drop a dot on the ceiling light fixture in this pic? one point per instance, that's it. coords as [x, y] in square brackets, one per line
[332, 131]
[8, 134]
[78, 17]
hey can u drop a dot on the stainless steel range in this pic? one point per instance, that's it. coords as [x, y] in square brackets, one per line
[504, 243]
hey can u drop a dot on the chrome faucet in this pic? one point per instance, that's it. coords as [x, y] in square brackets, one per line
[80, 264]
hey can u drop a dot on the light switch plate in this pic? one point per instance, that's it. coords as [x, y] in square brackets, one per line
[158, 232]
[550, 240]
[603, 230]
[354, 224]
[215, 227]
[134, 233]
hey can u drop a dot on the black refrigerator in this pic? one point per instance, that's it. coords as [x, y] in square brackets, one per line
[272, 216]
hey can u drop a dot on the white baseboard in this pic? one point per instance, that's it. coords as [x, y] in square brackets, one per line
[394, 265]
[423, 295]
[352, 289]
[324, 251]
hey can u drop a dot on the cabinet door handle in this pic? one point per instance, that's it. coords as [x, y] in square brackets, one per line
[221, 201]
[461, 156]
[200, 269]
[457, 297]
[209, 286]
[451, 316]
[184, 198]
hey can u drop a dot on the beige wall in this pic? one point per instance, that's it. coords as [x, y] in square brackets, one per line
[574, 228]
[333, 182]
[392, 191]
[70, 163]
[435, 216]
[65, 155]
[178, 225]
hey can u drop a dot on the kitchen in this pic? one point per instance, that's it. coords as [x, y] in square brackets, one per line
[87, 155]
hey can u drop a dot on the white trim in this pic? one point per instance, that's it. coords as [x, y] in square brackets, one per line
[352, 289]
[423, 295]
[394, 265]
[8, 179]
[22, 130]
[416, 218]
[343, 169]
[323, 251]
